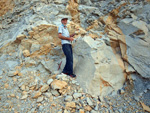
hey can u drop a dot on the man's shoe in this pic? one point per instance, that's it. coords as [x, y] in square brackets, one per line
[65, 73]
[73, 75]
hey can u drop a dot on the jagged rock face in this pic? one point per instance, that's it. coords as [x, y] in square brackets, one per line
[112, 44]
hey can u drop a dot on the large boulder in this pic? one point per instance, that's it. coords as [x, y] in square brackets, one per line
[96, 66]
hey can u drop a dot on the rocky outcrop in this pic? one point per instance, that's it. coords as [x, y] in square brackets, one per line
[111, 54]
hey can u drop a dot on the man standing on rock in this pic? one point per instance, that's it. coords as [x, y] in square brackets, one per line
[66, 39]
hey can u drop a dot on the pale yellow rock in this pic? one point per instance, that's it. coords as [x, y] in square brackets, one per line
[19, 74]
[81, 111]
[14, 79]
[17, 97]
[73, 9]
[6, 85]
[62, 91]
[87, 108]
[40, 99]
[58, 84]
[20, 37]
[24, 93]
[44, 88]
[26, 53]
[59, 112]
[51, 99]
[65, 111]
[145, 107]
[24, 96]
[23, 87]
[70, 105]
[12, 95]
[53, 104]
[122, 91]
[37, 94]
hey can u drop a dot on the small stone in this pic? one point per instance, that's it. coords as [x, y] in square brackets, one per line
[12, 73]
[62, 91]
[145, 107]
[20, 37]
[53, 104]
[37, 94]
[6, 85]
[26, 53]
[77, 95]
[96, 107]
[61, 76]
[70, 105]
[49, 81]
[60, 111]
[122, 91]
[120, 110]
[58, 84]
[51, 98]
[40, 99]
[17, 97]
[74, 81]
[23, 87]
[24, 97]
[44, 88]
[77, 84]
[81, 111]
[47, 94]
[87, 108]
[15, 79]
[41, 108]
[24, 92]
[68, 98]
[65, 111]
[55, 92]
[89, 101]
[12, 95]
[27, 88]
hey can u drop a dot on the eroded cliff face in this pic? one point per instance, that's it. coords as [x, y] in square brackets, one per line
[111, 49]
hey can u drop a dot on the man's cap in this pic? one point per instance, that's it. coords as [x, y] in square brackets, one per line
[64, 19]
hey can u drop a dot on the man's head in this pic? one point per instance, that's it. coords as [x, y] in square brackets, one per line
[64, 21]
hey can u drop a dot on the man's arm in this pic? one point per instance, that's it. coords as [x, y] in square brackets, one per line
[65, 38]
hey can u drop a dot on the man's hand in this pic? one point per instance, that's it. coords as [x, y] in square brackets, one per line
[71, 38]
[72, 35]
[65, 38]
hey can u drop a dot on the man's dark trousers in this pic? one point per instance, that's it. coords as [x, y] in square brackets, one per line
[67, 49]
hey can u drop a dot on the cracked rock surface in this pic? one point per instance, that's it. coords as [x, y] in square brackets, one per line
[111, 54]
